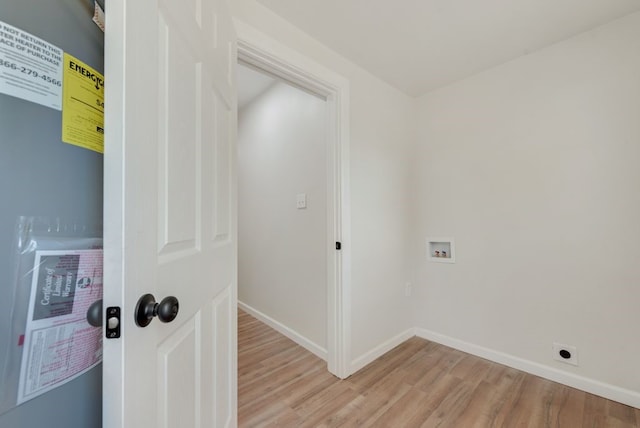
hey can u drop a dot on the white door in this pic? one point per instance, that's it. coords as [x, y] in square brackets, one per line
[170, 210]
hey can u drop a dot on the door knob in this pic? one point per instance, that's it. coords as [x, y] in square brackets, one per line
[94, 314]
[147, 308]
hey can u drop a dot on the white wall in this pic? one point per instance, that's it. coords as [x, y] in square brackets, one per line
[533, 167]
[381, 131]
[281, 249]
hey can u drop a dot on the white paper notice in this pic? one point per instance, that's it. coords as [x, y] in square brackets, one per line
[30, 68]
[59, 343]
[98, 16]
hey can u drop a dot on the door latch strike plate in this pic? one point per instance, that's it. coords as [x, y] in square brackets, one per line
[112, 327]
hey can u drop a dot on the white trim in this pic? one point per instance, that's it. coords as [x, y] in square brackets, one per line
[380, 350]
[116, 116]
[264, 53]
[611, 392]
[285, 331]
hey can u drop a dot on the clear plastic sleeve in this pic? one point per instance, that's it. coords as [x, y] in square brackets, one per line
[36, 237]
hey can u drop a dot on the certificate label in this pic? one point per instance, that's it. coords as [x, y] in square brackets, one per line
[59, 344]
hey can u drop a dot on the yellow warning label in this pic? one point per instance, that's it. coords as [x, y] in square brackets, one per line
[82, 105]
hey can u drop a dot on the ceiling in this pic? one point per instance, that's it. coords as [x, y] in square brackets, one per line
[250, 84]
[420, 45]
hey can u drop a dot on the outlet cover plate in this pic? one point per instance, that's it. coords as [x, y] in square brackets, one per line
[301, 201]
[559, 347]
[408, 290]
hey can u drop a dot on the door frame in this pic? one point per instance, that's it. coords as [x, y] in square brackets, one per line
[269, 56]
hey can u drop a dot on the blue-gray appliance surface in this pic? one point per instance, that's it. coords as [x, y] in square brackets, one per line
[42, 176]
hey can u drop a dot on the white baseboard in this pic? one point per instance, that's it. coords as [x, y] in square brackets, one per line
[380, 350]
[285, 331]
[611, 392]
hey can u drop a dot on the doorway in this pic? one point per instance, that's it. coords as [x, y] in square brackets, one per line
[330, 96]
[282, 199]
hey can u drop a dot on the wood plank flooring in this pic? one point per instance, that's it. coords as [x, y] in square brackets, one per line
[417, 384]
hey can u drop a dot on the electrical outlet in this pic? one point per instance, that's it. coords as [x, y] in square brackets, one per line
[408, 289]
[565, 353]
[301, 201]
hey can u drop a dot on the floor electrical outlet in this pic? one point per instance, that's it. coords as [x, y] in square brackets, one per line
[565, 354]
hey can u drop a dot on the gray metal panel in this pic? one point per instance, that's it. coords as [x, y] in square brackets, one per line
[41, 176]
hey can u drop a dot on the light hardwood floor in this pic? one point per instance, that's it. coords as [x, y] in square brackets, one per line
[417, 384]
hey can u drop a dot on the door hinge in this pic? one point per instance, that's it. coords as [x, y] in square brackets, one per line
[338, 245]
